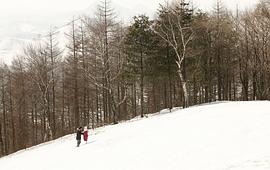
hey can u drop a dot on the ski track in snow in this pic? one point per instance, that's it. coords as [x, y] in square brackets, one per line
[218, 136]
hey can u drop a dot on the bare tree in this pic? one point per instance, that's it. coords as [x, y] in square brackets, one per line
[38, 64]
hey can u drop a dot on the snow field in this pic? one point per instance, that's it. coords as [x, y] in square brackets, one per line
[221, 136]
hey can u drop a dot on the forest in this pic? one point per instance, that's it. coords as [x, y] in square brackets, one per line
[111, 71]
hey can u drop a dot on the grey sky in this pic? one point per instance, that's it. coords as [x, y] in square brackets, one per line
[42, 14]
[53, 10]
[22, 20]
[63, 6]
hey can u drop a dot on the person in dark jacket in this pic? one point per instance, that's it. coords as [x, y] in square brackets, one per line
[79, 136]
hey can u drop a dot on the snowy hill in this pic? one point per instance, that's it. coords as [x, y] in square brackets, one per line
[220, 136]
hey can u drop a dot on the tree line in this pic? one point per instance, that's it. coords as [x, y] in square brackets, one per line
[110, 71]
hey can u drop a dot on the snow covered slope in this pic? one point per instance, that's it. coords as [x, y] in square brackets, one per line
[221, 136]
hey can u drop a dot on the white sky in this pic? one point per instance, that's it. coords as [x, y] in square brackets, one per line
[41, 14]
[46, 13]
[62, 6]
[23, 20]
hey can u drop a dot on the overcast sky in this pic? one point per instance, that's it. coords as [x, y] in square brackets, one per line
[36, 15]
[52, 7]
[42, 13]
[24, 20]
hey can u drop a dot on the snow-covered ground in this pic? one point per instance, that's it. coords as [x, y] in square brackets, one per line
[220, 136]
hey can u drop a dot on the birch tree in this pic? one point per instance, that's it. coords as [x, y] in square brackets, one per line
[173, 28]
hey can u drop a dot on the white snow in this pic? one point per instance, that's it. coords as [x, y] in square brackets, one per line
[220, 136]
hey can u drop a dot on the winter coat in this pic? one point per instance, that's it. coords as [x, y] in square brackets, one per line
[85, 135]
[78, 136]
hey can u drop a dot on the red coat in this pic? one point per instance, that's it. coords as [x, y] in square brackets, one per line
[85, 135]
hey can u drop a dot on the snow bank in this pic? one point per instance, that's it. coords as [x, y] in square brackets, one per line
[223, 136]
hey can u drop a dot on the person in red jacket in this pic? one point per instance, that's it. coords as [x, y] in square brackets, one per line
[85, 134]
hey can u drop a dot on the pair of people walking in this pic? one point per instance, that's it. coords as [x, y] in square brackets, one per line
[80, 132]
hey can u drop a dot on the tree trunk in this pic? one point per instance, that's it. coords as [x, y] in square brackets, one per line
[2, 150]
[142, 86]
[184, 88]
[6, 142]
[11, 113]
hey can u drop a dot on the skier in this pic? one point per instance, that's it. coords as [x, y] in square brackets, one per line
[78, 136]
[85, 134]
